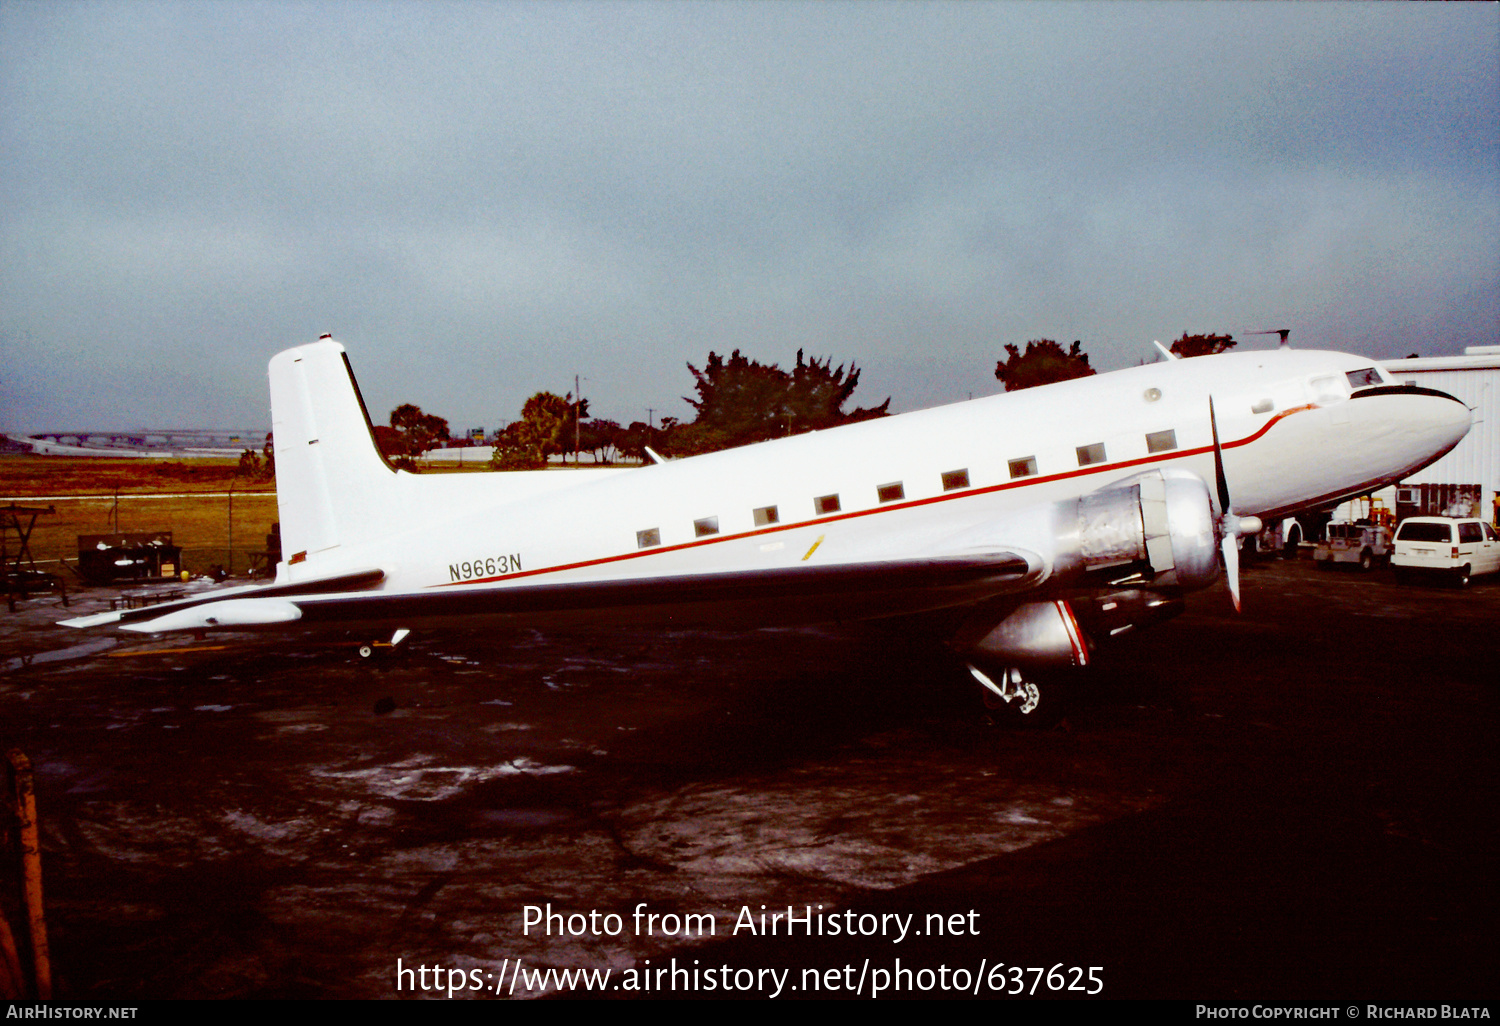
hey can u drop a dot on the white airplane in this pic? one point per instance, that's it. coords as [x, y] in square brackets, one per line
[1047, 520]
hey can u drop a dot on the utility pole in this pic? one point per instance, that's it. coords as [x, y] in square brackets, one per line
[230, 568]
[577, 408]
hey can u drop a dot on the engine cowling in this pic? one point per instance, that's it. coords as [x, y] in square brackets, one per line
[1126, 552]
[1157, 528]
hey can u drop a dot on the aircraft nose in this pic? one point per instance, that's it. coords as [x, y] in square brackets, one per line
[1429, 421]
[1449, 418]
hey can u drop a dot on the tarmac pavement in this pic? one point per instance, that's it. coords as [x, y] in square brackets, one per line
[1294, 804]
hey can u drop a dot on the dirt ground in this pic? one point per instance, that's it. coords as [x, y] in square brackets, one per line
[1298, 803]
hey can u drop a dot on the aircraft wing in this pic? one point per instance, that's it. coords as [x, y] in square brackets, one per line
[804, 594]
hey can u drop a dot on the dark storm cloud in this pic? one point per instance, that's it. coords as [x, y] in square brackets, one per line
[482, 200]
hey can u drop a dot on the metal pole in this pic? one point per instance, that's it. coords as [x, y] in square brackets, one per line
[12, 979]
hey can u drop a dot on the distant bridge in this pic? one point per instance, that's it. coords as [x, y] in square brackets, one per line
[156, 442]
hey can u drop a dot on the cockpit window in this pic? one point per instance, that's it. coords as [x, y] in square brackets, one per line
[1328, 389]
[1364, 378]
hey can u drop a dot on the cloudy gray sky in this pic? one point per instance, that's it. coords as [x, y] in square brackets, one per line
[481, 200]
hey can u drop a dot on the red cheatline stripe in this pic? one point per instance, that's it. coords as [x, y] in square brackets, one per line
[1028, 482]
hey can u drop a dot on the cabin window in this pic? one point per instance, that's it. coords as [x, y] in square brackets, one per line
[1161, 441]
[826, 504]
[1024, 467]
[648, 538]
[706, 526]
[1263, 406]
[1363, 378]
[1089, 454]
[766, 515]
[955, 479]
[893, 492]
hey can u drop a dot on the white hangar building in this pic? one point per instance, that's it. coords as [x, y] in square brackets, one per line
[1464, 482]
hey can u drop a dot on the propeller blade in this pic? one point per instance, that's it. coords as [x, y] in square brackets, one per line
[1219, 477]
[1230, 548]
[1229, 524]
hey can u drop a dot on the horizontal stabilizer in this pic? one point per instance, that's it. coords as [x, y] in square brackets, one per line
[248, 612]
[355, 581]
[94, 619]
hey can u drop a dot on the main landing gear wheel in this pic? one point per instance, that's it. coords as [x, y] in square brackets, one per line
[1015, 698]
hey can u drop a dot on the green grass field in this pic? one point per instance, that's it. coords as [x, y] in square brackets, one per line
[195, 500]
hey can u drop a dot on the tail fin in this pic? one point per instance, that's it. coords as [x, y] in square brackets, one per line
[333, 486]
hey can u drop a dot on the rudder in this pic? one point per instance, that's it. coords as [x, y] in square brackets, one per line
[333, 486]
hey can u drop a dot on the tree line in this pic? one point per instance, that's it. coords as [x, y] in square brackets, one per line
[737, 401]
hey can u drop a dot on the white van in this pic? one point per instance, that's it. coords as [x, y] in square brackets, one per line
[1456, 547]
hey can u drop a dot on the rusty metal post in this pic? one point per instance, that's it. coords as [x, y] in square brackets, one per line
[31, 872]
[12, 981]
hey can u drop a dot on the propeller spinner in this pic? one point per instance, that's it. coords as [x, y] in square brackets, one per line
[1231, 526]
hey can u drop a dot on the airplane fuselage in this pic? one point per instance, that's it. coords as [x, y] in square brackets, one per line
[1292, 429]
[1096, 501]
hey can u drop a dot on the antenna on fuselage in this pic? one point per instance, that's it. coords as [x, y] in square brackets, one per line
[1165, 351]
[1283, 332]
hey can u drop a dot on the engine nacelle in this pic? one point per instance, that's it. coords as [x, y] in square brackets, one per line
[1126, 551]
[1119, 612]
[1036, 635]
[1158, 527]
